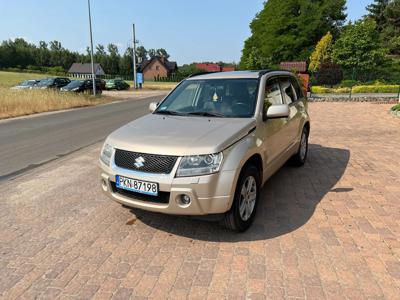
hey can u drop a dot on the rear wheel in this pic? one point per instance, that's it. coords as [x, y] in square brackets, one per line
[300, 157]
[243, 210]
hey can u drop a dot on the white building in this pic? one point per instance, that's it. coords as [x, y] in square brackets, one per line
[80, 70]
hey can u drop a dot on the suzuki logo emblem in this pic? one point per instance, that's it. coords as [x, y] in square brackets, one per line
[139, 162]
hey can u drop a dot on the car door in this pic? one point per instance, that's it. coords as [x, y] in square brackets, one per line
[274, 142]
[292, 97]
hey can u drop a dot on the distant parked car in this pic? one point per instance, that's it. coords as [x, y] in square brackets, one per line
[27, 84]
[116, 84]
[81, 86]
[52, 83]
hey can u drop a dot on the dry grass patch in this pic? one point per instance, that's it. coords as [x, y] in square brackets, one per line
[14, 103]
[155, 85]
[159, 85]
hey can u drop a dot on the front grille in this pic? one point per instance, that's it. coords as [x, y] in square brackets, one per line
[163, 197]
[151, 163]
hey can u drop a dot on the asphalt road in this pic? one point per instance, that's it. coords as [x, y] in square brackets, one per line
[29, 142]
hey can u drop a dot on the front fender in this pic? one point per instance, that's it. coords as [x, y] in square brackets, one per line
[236, 156]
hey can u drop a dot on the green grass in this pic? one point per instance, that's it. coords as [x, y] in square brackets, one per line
[9, 79]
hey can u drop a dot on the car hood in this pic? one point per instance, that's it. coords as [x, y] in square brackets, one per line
[179, 136]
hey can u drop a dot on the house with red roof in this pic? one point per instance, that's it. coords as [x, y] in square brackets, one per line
[213, 67]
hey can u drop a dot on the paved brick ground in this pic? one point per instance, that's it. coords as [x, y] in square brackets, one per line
[328, 230]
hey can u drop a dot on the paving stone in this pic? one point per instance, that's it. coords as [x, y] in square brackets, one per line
[328, 230]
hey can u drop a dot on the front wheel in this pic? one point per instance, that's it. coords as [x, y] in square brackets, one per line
[243, 210]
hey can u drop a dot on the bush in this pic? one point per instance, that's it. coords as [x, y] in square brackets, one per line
[325, 90]
[375, 89]
[348, 83]
[320, 90]
[328, 74]
[358, 89]
[396, 107]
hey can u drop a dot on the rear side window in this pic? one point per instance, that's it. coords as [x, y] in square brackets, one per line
[297, 88]
[288, 91]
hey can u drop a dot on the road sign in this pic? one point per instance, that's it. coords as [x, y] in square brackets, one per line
[139, 78]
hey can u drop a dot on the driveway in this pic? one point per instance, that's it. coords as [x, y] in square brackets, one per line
[329, 230]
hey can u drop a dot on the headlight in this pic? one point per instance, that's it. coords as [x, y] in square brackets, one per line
[106, 153]
[75, 89]
[199, 165]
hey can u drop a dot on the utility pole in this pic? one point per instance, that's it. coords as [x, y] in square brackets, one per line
[91, 51]
[134, 56]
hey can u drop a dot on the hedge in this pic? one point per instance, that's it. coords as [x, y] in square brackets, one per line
[325, 90]
[376, 89]
[357, 89]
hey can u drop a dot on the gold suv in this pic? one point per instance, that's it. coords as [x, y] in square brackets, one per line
[209, 146]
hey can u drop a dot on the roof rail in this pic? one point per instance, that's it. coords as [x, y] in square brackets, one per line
[263, 72]
[200, 73]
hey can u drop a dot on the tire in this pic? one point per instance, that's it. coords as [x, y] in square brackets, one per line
[300, 157]
[242, 213]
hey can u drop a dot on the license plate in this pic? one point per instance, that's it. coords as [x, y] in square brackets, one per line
[138, 186]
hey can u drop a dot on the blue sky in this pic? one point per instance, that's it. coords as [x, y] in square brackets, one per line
[190, 30]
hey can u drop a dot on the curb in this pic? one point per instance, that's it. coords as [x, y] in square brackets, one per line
[377, 100]
[395, 113]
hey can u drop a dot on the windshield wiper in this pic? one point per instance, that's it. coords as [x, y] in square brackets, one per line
[206, 114]
[169, 112]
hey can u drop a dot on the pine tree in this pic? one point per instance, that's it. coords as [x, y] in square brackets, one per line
[377, 12]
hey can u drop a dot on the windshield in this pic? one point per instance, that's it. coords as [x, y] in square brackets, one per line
[45, 82]
[228, 98]
[75, 83]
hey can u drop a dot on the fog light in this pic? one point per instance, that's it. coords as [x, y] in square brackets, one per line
[185, 200]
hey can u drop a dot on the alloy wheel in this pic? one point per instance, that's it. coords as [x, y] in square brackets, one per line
[248, 196]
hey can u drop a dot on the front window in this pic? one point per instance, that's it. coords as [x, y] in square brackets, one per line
[27, 83]
[75, 84]
[46, 82]
[228, 98]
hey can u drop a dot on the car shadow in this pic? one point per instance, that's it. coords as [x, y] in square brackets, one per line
[287, 201]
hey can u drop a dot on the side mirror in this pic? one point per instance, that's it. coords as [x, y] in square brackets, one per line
[153, 106]
[278, 111]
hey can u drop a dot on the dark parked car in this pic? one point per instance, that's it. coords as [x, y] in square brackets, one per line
[27, 84]
[116, 84]
[81, 86]
[52, 83]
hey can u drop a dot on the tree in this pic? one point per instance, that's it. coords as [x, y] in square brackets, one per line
[377, 12]
[141, 53]
[322, 53]
[152, 53]
[112, 61]
[358, 49]
[162, 53]
[187, 70]
[390, 34]
[288, 30]
[392, 13]
[126, 63]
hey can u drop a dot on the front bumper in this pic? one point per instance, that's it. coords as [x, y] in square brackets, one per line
[209, 194]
